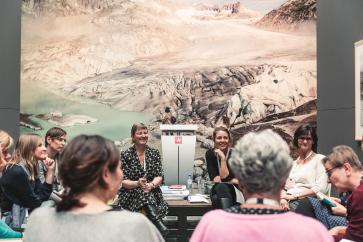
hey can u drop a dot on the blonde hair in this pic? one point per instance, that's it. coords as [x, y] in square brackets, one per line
[136, 127]
[24, 150]
[6, 141]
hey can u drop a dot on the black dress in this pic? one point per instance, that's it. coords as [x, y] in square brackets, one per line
[134, 199]
[224, 190]
[213, 166]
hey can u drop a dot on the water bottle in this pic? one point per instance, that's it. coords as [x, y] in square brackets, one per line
[189, 184]
[200, 183]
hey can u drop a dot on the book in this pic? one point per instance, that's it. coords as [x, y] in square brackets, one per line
[177, 187]
[199, 198]
[325, 199]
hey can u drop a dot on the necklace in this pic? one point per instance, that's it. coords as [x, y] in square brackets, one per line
[264, 201]
[307, 157]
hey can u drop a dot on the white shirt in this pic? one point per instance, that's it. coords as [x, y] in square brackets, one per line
[309, 175]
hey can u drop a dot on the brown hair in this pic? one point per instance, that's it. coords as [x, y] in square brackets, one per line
[54, 133]
[81, 167]
[135, 127]
[343, 154]
[24, 150]
[224, 129]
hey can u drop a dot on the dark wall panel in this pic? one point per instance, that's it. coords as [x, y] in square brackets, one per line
[10, 19]
[340, 25]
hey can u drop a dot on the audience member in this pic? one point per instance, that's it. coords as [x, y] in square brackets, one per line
[20, 184]
[307, 176]
[345, 172]
[225, 191]
[168, 118]
[327, 215]
[143, 173]
[55, 140]
[6, 142]
[261, 163]
[91, 174]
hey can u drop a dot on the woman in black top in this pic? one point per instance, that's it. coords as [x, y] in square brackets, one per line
[223, 193]
[20, 183]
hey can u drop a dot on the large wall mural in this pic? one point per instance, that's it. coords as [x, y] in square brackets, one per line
[97, 66]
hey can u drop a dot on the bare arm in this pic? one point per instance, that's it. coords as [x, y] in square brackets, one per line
[50, 165]
[129, 184]
[223, 169]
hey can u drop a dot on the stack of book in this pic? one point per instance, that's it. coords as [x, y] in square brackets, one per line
[174, 192]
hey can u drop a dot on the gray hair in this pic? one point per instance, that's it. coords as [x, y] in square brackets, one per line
[261, 162]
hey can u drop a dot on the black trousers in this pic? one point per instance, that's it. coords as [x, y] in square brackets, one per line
[222, 190]
[305, 208]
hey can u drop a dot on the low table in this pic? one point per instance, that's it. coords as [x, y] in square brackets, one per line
[182, 209]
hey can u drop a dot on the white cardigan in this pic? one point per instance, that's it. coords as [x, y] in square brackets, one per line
[308, 175]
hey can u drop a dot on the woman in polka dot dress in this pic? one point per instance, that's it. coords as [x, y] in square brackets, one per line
[143, 175]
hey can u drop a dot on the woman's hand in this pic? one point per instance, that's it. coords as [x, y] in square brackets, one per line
[339, 210]
[284, 204]
[234, 181]
[336, 200]
[147, 187]
[339, 230]
[220, 155]
[141, 182]
[49, 164]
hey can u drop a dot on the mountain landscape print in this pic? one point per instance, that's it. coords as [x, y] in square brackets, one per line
[98, 66]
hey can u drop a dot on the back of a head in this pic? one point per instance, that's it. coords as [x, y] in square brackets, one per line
[261, 162]
[81, 166]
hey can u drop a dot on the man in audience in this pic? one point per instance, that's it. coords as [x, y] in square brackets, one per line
[55, 140]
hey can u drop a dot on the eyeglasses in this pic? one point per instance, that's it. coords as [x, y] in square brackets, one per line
[307, 138]
[330, 171]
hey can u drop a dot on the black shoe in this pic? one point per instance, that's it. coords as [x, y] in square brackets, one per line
[152, 214]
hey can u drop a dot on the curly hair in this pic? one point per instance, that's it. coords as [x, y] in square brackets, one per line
[261, 162]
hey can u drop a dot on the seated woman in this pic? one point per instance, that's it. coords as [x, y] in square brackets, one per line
[224, 193]
[6, 141]
[55, 140]
[261, 162]
[143, 175]
[91, 174]
[20, 184]
[307, 176]
[345, 172]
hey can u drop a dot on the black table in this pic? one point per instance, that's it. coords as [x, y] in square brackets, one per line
[182, 209]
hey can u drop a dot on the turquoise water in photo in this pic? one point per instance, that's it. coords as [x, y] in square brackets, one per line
[111, 123]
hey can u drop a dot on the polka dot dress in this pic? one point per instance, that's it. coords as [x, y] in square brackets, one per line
[135, 199]
[258, 211]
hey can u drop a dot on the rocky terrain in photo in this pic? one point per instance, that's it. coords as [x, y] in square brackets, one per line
[292, 15]
[204, 61]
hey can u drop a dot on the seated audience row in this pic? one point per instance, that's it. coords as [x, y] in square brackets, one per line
[91, 174]
[258, 186]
